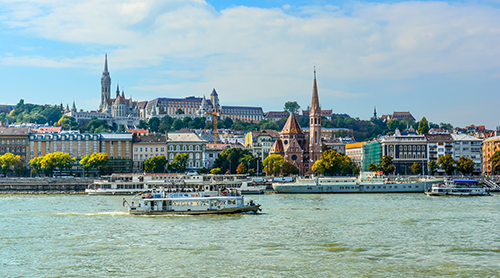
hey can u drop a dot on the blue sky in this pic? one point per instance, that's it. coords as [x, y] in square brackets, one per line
[435, 59]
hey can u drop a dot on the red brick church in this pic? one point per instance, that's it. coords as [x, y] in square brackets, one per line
[293, 144]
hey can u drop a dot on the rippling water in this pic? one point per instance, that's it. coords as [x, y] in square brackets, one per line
[344, 235]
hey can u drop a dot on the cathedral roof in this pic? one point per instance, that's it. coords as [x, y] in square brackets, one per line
[119, 100]
[214, 93]
[277, 148]
[292, 126]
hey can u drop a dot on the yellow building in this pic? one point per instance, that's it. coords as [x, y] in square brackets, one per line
[490, 146]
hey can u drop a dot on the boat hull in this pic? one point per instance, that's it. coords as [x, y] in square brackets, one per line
[253, 208]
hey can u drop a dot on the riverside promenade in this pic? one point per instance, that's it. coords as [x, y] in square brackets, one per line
[46, 185]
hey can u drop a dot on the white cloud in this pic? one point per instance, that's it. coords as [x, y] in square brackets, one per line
[252, 53]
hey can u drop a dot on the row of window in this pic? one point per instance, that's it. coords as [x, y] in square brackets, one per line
[13, 141]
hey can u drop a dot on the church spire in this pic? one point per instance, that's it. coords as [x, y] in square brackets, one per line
[117, 90]
[315, 109]
[106, 62]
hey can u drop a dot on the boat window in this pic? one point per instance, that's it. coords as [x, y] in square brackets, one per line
[204, 203]
[231, 202]
[195, 203]
[176, 203]
[186, 203]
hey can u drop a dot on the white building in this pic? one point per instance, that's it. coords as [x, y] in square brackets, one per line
[471, 147]
[187, 143]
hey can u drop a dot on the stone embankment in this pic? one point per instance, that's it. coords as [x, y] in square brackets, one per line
[44, 185]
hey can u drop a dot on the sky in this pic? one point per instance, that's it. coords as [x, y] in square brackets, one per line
[436, 59]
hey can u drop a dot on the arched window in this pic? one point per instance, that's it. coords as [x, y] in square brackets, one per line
[197, 147]
[184, 147]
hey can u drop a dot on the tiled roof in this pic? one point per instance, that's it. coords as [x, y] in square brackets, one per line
[184, 137]
[277, 148]
[438, 137]
[14, 131]
[292, 126]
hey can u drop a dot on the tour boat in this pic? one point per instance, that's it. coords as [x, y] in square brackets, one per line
[458, 187]
[318, 185]
[366, 182]
[161, 202]
[129, 184]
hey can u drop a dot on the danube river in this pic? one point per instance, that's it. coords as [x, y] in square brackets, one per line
[388, 235]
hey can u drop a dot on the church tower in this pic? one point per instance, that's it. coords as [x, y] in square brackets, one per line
[105, 85]
[315, 145]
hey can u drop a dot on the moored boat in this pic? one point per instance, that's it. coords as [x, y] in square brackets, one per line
[366, 182]
[162, 202]
[458, 187]
[130, 184]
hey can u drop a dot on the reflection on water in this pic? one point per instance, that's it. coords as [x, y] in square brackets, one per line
[296, 235]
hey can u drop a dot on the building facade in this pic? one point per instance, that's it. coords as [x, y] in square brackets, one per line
[261, 142]
[490, 146]
[470, 147]
[187, 143]
[355, 152]
[117, 146]
[438, 145]
[405, 151]
[145, 147]
[15, 141]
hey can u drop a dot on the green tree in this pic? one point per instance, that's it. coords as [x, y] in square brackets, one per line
[154, 124]
[177, 124]
[155, 164]
[333, 163]
[447, 163]
[465, 165]
[446, 126]
[267, 124]
[241, 169]
[432, 167]
[143, 124]
[36, 164]
[98, 161]
[84, 161]
[386, 165]
[273, 164]
[393, 124]
[495, 162]
[179, 111]
[7, 162]
[179, 165]
[122, 128]
[95, 126]
[289, 169]
[203, 171]
[229, 159]
[292, 107]
[215, 171]
[423, 126]
[56, 161]
[68, 123]
[416, 168]
[373, 167]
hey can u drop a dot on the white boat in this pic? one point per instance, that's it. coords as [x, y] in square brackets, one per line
[458, 187]
[161, 202]
[129, 184]
[250, 188]
[366, 182]
[318, 185]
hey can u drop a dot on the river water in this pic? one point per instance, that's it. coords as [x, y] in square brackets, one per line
[336, 235]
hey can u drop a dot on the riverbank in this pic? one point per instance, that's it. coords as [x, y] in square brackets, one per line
[44, 185]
